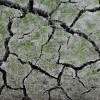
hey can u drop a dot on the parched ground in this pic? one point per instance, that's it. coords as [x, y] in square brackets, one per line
[53, 57]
